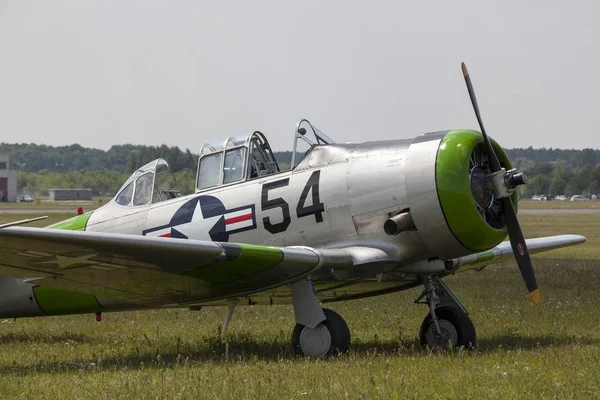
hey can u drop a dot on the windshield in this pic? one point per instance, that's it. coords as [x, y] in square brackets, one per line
[209, 171]
[153, 182]
[310, 135]
[143, 189]
[165, 184]
[233, 169]
[212, 147]
[238, 160]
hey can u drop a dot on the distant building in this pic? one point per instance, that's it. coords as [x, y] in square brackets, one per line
[70, 194]
[8, 181]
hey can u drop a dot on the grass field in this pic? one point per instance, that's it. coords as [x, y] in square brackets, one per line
[46, 204]
[71, 206]
[559, 204]
[52, 218]
[525, 351]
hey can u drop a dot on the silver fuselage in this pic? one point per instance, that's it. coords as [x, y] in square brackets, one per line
[359, 186]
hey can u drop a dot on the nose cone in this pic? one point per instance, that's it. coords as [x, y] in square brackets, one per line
[465, 200]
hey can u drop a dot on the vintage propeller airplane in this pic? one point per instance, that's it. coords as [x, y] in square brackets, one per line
[347, 221]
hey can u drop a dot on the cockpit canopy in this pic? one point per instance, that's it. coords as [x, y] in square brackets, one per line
[311, 136]
[235, 160]
[243, 158]
[152, 183]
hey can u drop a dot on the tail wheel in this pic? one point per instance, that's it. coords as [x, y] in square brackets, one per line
[331, 336]
[456, 328]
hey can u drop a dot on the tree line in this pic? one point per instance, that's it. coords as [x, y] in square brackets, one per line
[555, 172]
[42, 167]
[560, 178]
[121, 158]
[103, 183]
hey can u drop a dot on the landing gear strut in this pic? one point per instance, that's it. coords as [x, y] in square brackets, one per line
[318, 332]
[447, 326]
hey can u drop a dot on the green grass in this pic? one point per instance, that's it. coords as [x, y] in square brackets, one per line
[52, 218]
[536, 225]
[525, 351]
[46, 204]
[559, 204]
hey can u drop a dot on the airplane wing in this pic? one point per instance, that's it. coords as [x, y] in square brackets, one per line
[503, 252]
[163, 271]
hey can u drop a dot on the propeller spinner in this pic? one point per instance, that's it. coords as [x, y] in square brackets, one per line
[503, 183]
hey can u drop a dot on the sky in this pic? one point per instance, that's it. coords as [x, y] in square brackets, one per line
[182, 73]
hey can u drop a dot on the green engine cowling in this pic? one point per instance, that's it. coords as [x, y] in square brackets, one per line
[442, 199]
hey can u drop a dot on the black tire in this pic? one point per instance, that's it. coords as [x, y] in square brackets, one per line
[462, 323]
[338, 329]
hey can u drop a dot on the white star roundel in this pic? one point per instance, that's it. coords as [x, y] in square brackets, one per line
[206, 218]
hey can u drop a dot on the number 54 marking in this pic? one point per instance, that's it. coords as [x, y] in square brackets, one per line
[302, 210]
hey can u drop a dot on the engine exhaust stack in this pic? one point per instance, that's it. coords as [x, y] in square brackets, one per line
[399, 223]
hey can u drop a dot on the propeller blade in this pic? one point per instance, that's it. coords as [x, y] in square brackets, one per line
[492, 157]
[517, 241]
[519, 247]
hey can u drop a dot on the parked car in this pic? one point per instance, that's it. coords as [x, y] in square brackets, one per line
[25, 199]
[578, 197]
[539, 197]
[562, 197]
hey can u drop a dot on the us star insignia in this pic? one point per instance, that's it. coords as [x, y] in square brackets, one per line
[65, 262]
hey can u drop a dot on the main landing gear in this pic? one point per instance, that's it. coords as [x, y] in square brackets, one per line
[318, 332]
[447, 326]
[322, 332]
[329, 337]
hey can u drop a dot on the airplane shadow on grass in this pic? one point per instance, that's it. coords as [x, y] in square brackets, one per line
[245, 348]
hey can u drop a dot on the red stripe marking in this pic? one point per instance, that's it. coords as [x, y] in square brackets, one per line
[166, 235]
[240, 218]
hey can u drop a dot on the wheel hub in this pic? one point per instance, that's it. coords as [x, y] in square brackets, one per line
[315, 342]
[447, 336]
